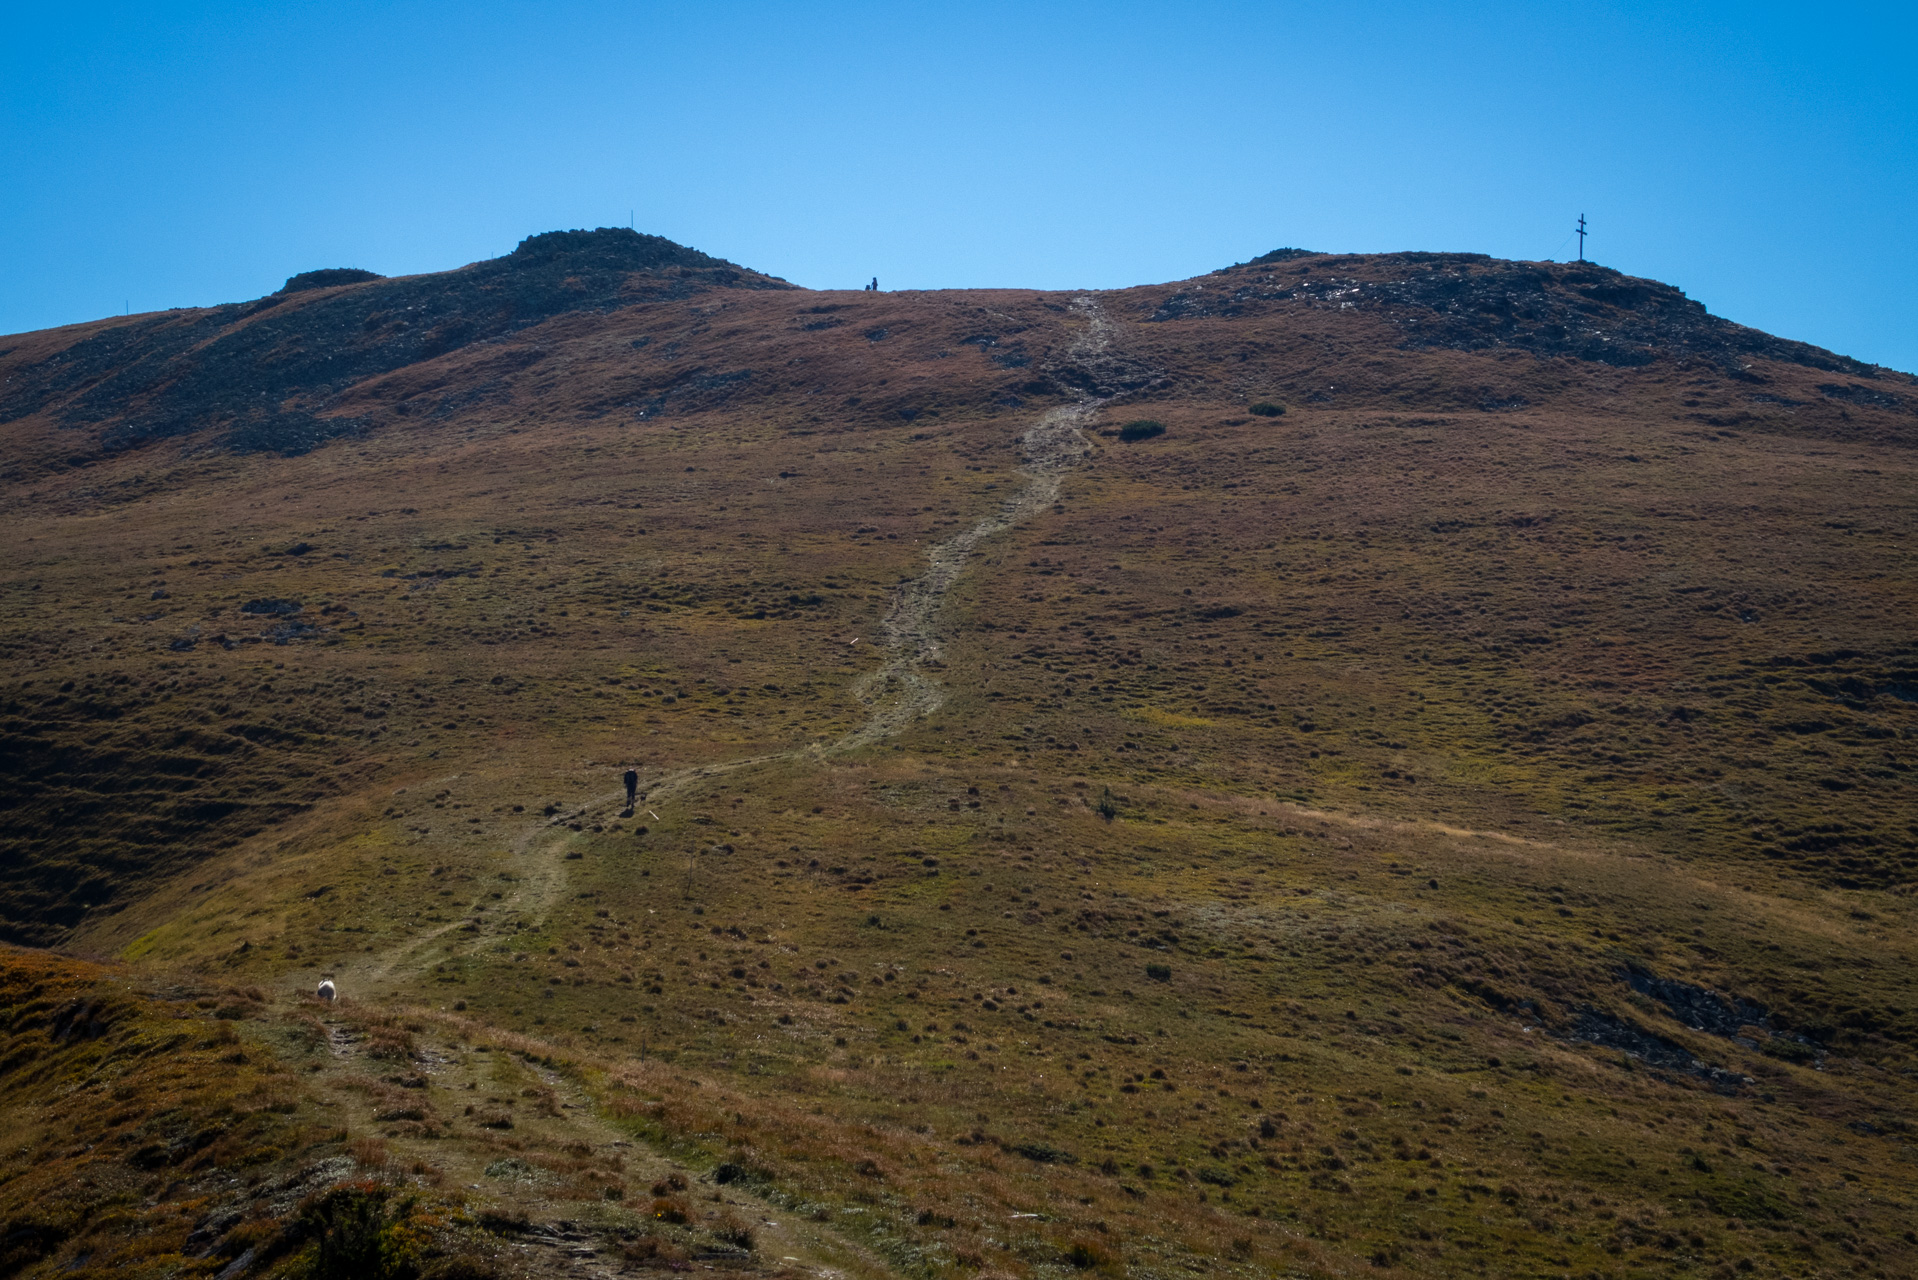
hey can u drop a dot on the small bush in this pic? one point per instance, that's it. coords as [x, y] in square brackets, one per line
[356, 1235]
[1143, 429]
[1267, 409]
[1159, 972]
[732, 1171]
[1044, 1154]
[368, 1153]
[390, 1044]
[1087, 1255]
[651, 1251]
[734, 1231]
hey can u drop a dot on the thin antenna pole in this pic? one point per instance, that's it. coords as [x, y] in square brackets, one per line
[1581, 237]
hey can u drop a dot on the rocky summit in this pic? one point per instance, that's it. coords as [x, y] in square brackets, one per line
[602, 761]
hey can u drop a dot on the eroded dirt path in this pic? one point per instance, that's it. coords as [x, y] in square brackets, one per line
[899, 691]
[896, 694]
[530, 1174]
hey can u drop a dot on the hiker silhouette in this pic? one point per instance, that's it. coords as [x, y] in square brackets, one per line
[632, 788]
[874, 286]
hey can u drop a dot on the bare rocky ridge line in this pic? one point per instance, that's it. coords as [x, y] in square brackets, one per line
[899, 691]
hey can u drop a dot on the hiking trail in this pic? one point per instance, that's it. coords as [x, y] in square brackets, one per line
[899, 691]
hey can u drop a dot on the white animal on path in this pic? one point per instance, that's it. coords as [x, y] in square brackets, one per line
[326, 991]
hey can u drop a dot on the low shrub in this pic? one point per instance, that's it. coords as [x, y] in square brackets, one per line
[356, 1235]
[734, 1231]
[368, 1153]
[1267, 409]
[652, 1251]
[1143, 429]
[1043, 1154]
[734, 1171]
[1089, 1255]
[390, 1044]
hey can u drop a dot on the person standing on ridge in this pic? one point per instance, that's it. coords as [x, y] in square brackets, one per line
[874, 286]
[632, 788]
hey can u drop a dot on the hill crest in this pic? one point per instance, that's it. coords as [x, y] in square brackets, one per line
[1341, 766]
[262, 375]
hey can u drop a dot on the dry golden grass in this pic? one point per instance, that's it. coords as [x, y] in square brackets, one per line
[1420, 717]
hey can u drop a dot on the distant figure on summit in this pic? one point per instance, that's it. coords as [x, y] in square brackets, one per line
[874, 286]
[632, 788]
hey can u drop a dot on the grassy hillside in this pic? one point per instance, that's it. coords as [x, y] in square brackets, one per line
[1440, 805]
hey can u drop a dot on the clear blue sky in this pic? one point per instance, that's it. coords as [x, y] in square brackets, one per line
[1762, 157]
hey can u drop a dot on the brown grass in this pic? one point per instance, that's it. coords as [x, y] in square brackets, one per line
[1421, 722]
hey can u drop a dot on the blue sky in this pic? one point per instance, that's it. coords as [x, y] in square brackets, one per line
[1762, 157]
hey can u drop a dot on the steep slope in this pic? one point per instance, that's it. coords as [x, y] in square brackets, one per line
[1441, 803]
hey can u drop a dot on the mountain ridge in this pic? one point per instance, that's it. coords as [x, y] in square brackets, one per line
[1482, 310]
[167, 375]
[1338, 766]
[181, 372]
